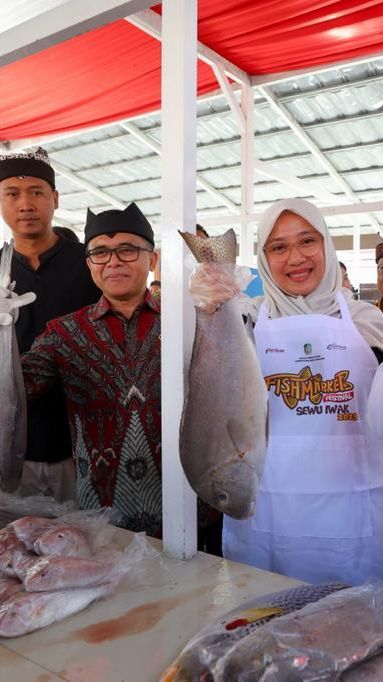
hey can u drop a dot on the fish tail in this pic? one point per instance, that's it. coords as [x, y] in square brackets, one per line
[5, 264]
[221, 249]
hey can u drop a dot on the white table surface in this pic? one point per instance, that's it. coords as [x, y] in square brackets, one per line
[133, 635]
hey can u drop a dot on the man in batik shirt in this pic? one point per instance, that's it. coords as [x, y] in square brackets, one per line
[107, 356]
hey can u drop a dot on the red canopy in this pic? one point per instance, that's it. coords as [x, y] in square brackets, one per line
[114, 72]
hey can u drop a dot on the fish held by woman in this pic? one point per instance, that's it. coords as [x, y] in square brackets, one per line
[223, 438]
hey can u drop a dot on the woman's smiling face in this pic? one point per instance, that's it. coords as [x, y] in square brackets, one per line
[295, 254]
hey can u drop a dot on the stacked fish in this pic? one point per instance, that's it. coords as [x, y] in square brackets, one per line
[48, 572]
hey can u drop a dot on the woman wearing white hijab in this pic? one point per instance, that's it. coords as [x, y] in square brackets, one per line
[319, 510]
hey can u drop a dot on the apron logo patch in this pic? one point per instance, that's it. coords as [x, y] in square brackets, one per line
[295, 388]
[308, 349]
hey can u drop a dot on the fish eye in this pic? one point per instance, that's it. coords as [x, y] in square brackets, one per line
[223, 498]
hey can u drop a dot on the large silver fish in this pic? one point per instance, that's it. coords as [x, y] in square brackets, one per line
[13, 409]
[223, 428]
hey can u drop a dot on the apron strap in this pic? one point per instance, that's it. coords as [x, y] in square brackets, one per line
[343, 307]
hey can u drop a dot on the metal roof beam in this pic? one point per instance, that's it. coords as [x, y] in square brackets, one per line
[273, 79]
[230, 96]
[66, 173]
[156, 147]
[344, 209]
[151, 23]
[270, 171]
[312, 146]
[41, 24]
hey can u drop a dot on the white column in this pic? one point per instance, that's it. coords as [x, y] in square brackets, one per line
[355, 275]
[246, 241]
[179, 50]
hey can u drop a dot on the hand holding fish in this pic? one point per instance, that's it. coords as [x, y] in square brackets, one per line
[213, 284]
[10, 304]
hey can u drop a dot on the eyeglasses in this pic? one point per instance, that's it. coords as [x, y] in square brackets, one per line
[126, 253]
[308, 246]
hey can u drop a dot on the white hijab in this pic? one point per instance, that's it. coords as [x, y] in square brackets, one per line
[368, 318]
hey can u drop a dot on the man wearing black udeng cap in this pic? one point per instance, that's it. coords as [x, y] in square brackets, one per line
[55, 270]
[107, 356]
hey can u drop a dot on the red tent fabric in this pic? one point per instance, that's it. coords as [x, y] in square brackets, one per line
[114, 72]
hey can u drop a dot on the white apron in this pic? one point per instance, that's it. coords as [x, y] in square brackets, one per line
[319, 509]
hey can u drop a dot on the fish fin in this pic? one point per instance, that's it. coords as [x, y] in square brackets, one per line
[171, 673]
[236, 430]
[221, 249]
[249, 326]
[5, 264]
[255, 614]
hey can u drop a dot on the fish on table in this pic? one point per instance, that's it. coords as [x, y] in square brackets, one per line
[64, 541]
[44, 573]
[223, 432]
[199, 659]
[9, 545]
[25, 612]
[13, 409]
[321, 641]
[28, 528]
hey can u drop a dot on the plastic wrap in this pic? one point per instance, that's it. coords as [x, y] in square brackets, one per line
[13, 507]
[319, 642]
[212, 284]
[73, 584]
[199, 659]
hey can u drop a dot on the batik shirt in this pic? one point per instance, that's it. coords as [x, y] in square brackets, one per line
[110, 370]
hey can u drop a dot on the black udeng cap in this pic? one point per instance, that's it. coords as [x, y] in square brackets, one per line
[34, 164]
[130, 220]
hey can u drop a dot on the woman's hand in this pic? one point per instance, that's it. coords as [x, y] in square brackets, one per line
[212, 284]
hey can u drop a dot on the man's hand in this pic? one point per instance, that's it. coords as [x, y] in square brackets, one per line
[10, 304]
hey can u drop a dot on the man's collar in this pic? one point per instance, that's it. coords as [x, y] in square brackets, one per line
[103, 306]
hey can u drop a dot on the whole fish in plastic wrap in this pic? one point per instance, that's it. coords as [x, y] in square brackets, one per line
[319, 642]
[9, 587]
[223, 428]
[28, 611]
[9, 545]
[29, 528]
[41, 574]
[63, 541]
[198, 661]
[13, 408]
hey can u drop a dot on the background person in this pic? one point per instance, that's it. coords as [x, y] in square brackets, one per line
[55, 269]
[345, 280]
[379, 268]
[107, 356]
[155, 287]
[66, 233]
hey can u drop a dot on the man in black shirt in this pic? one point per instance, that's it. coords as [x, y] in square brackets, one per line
[55, 269]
